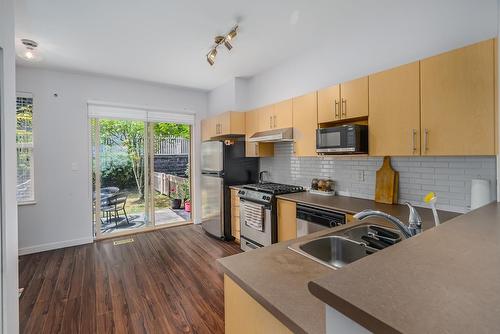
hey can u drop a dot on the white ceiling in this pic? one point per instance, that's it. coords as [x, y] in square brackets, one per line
[166, 40]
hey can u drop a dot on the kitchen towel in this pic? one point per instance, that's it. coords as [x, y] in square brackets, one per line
[253, 215]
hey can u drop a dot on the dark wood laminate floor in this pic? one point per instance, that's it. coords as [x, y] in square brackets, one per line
[167, 281]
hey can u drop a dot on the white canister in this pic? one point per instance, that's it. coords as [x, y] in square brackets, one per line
[480, 193]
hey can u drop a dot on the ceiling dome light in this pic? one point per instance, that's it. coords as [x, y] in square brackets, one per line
[29, 51]
[211, 56]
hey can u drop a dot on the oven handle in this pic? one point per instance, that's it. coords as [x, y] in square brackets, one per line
[266, 206]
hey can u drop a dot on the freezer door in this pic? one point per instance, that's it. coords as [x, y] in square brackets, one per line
[212, 205]
[212, 156]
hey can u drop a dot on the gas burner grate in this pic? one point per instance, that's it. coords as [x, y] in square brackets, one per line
[274, 188]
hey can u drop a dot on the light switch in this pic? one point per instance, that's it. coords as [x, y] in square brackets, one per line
[361, 176]
[74, 167]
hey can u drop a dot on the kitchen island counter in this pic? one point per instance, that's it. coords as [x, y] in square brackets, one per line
[445, 280]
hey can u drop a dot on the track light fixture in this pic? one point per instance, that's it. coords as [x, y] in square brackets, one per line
[219, 40]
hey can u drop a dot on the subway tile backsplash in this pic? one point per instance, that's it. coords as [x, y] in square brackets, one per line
[449, 177]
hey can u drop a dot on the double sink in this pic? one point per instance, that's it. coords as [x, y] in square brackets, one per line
[338, 249]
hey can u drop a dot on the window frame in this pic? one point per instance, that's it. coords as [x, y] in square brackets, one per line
[31, 147]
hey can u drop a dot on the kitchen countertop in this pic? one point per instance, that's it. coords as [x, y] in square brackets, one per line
[278, 278]
[353, 205]
[446, 280]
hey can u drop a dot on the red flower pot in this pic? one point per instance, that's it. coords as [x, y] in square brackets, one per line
[187, 206]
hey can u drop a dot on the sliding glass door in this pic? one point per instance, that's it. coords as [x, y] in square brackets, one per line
[169, 168]
[140, 175]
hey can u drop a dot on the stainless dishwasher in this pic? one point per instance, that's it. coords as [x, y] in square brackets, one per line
[312, 219]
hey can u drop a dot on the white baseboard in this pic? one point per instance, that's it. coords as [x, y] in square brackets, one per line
[54, 245]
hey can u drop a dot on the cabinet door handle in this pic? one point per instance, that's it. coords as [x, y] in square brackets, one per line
[426, 140]
[274, 121]
[271, 122]
[294, 147]
[413, 138]
[217, 129]
[344, 107]
[335, 108]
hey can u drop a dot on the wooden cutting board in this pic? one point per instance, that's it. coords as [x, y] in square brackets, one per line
[387, 183]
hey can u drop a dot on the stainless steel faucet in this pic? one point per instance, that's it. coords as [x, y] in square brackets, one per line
[414, 220]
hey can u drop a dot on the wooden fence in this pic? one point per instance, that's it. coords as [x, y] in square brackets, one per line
[168, 184]
[172, 146]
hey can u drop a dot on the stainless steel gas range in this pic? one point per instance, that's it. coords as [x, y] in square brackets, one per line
[258, 213]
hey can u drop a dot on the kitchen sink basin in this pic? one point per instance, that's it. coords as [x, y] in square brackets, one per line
[338, 249]
[333, 251]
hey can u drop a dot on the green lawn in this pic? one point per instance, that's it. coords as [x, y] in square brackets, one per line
[136, 205]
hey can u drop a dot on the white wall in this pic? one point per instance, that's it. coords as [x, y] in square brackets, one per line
[62, 214]
[9, 320]
[373, 37]
[231, 96]
[222, 98]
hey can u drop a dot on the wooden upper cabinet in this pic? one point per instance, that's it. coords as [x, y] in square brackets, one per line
[329, 104]
[205, 129]
[354, 98]
[265, 116]
[229, 123]
[283, 116]
[394, 122]
[458, 101]
[305, 122]
[342, 102]
[252, 120]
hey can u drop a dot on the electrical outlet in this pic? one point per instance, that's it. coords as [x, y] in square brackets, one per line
[361, 176]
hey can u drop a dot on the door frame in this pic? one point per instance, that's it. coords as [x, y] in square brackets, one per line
[192, 175]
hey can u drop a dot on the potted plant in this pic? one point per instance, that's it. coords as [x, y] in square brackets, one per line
[185, 195]
[176, 200]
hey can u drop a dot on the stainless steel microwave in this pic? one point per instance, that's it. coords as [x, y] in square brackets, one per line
[343, 139]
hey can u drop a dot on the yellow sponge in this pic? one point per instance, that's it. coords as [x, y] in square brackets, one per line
[429, 197]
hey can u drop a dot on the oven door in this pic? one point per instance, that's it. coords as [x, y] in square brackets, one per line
[255, 222]
[331, 140]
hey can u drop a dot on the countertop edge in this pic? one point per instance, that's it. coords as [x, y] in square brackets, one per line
[295, 328]
[285, 198]
[349, 310]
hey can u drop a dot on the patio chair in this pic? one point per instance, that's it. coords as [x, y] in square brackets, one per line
[115, 204]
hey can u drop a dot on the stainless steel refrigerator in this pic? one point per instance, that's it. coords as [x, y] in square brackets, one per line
[222, 166]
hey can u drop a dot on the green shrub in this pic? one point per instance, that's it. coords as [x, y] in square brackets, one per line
[116, 171]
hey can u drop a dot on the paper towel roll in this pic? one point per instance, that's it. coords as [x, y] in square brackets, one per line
[480, 193]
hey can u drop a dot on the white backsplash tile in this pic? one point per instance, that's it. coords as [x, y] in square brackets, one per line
[449, 177]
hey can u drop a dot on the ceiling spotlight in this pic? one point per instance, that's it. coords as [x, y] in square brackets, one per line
[219, 40]
[211, 56]
[232, 34]
[29, 52]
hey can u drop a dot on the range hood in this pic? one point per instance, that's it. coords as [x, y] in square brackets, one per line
[272, 136]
